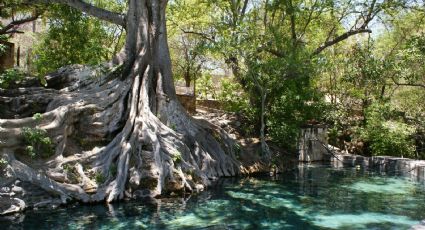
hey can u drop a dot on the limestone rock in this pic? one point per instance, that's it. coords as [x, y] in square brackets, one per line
[420, 226]
[17, 189]
[11, 205]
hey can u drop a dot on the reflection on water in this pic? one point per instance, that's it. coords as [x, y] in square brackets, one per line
[318, 197]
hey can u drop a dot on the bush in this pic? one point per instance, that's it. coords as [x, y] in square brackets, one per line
[295, 106]
[176, 157]
[2, 49]
[386, 133]
[205, 87]
[99, 178]
[73, 38]
[232, 97]
[113, 170]
[3, 163]
[10, 76]
[38, 142]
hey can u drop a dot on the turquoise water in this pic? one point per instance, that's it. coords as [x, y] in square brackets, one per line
[308, 197]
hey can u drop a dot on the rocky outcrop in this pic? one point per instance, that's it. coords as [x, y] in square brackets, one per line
[18, 195]
[11, 205]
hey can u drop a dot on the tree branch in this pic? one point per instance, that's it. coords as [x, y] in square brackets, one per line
[408, 84]
[203, 35]
[340, 38]
[106, 15]
[13, 32]
[310, 17]
[243, 11]
[276, 53]
[11, 27]
[372, 11]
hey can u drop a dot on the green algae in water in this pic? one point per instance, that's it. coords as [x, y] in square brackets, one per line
[318, 197]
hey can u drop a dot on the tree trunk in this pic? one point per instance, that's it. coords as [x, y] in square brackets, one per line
[264, 147]
[125, 136]
[187, 77]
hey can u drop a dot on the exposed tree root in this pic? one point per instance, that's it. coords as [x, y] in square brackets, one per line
[119, 132]
[110, 145]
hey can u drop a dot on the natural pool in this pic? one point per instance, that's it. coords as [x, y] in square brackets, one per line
[307, 197]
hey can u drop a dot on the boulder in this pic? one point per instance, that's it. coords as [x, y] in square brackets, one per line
[11, 205]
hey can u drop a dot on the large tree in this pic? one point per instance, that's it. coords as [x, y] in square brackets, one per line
[120, 123]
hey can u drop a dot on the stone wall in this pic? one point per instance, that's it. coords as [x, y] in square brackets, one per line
[210, 104]
[188, 102]
[414, 169]
[7, 59]
[311, 143]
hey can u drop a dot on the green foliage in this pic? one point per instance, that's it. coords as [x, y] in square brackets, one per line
[297, 105]
[10, 76]
[235, 100]
[407, 65]
[113, 170]
[247, 42]
[3, 38]
[375, 90]
[205, 87]
[38, 142]
[177, 157]
[386, 133]
[232, 96]
[37, 117]
[3, 162]
[364, 74]
[3, 48]
[188, 50]
[99, 178]
[173, 127]
[291, 100]
[238, 150]
[67, 168]
[74, 38]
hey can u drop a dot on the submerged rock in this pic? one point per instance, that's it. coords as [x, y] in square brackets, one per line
[49, 203]
[11, 205]
[18, 196]
[420, 226]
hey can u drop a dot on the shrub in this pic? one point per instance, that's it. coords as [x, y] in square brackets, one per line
[232, 97]
[38, 143]
[37, 140]
[3, 162]
[73, 38]
[10, 76]
[99, 178]
[2, 49]
[386, 133]
[176, 157]
[113, 170]
[288, 112]
[205, 87]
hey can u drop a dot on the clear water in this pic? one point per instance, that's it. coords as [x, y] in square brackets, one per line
[308, 197]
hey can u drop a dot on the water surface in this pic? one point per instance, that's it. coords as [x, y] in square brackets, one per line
[307, 197]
